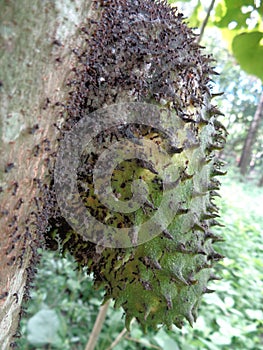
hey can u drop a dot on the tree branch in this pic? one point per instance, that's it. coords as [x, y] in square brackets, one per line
[119, 337]
[97, 326]
[205, 21]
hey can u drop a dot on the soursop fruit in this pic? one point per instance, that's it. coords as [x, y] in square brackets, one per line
[140, 52]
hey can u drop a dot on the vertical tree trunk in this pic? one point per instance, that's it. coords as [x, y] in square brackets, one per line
[36, 38]
[251, 137]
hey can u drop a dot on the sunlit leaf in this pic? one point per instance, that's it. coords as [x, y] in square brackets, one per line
[194, 20]
[254, 314]
[220, 339]
[251, 328]
[226, 328]
[209, 344]
[220, 10]
[248, 50]
[228, 36]
[239, 3]
[43, 328]
[163, 340]
[231, 12]
[229, 301]
[175, 1]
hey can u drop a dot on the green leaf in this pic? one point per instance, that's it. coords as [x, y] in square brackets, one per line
[227, 328]
[231, 11]
[237, 4]
[209, 344]
[165, 342]
[194, 20]
[136, 333]
[43, 328]
[248, 50]
[220, 11]
[233, 15]
[220, 339]
[229, 301]
[254, 314]
[174, 1]
[253, 327]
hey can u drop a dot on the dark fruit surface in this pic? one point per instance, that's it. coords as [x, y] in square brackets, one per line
[141, 51]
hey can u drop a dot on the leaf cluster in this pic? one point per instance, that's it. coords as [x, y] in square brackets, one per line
[240, 22]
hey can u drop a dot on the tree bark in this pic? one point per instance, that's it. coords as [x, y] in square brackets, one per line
[36, 41]
[251, 137]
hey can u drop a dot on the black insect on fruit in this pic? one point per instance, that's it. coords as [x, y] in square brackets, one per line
[141, 51]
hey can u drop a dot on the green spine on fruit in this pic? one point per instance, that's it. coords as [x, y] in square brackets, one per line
[141, 51]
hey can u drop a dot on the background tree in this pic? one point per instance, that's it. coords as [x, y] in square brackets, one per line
[241, 28]
[251, 138]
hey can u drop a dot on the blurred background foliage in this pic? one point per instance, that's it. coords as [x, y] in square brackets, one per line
[64, 305]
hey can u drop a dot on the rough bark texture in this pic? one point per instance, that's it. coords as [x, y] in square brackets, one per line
[251, 137]
[36, 38]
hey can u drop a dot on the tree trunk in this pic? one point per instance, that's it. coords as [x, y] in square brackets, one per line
[251, 137]
[36, 38]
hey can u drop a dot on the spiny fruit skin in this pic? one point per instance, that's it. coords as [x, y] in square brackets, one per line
[141, 51]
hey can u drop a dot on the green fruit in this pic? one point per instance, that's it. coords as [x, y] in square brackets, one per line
[141, 51]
